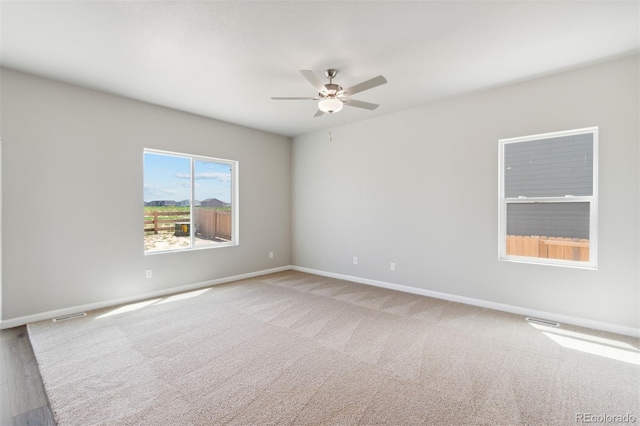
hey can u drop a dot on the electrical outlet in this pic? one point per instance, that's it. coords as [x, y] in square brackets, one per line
[393, 266]
[270, 255]
[355, 260]
[148, 273]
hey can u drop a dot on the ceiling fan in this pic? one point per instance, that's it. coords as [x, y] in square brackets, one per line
[332, 96]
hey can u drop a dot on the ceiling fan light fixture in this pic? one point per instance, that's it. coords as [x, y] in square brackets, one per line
[332, 96]
[330, 105]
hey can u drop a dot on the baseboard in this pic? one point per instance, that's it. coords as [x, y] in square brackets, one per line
[16, 322]
[565, 319]
[581, 322]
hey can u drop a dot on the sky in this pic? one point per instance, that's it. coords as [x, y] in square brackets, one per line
[167, 177]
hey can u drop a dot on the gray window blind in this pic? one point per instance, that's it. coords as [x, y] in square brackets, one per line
[566, 220]
[553, 167]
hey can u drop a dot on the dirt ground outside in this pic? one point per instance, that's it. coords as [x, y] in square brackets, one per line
[169, 241]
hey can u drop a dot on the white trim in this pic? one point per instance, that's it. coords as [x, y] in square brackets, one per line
[581, 322]
[548, 135]
[15, 322]
[187, 156]
[566, 319]
[235, 203]
[192, 203]
[1, 239]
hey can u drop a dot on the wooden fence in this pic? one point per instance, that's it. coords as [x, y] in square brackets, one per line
[551, 247]
[210, 223]
[158, 223]
[213, 223]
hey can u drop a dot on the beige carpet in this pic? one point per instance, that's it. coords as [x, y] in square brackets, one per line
[294, 348]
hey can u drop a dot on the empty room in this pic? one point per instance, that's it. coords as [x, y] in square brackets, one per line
[319, 212]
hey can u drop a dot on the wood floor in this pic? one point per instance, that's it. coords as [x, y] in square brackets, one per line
[22, 397]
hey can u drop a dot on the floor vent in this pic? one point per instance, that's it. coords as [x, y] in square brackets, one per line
[70, 316]
[543, 322]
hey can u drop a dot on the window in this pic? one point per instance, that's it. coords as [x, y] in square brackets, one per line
[549, 198]
[190, 202]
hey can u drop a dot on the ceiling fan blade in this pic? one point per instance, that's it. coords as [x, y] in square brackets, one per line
[315, 81]
[318, 113]
[366, 85]
[360, 104]
[275, 98]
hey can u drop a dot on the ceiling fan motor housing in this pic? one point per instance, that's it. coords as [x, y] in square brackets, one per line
[331, 89]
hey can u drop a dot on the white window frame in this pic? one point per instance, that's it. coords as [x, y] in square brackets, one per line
[235, 208]
[592, 200]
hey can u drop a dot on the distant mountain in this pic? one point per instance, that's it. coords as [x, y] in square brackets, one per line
[160, 203]
[209, 202]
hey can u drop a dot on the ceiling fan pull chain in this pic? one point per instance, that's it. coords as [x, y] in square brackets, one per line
[330, 126]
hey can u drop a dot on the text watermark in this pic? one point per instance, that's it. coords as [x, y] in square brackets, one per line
[605, 418]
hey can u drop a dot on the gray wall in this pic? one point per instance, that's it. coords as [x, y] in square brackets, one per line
[420, 188]
[72, 196]
[417, 188]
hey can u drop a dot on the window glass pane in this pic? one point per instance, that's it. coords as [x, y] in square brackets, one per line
[167, 191]
[549, 230]
[188, 202]
[212, 194]
[552, 167]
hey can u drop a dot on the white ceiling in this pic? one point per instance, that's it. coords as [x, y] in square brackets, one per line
[226, 59]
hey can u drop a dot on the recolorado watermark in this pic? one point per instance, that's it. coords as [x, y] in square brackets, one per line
[605, 418]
